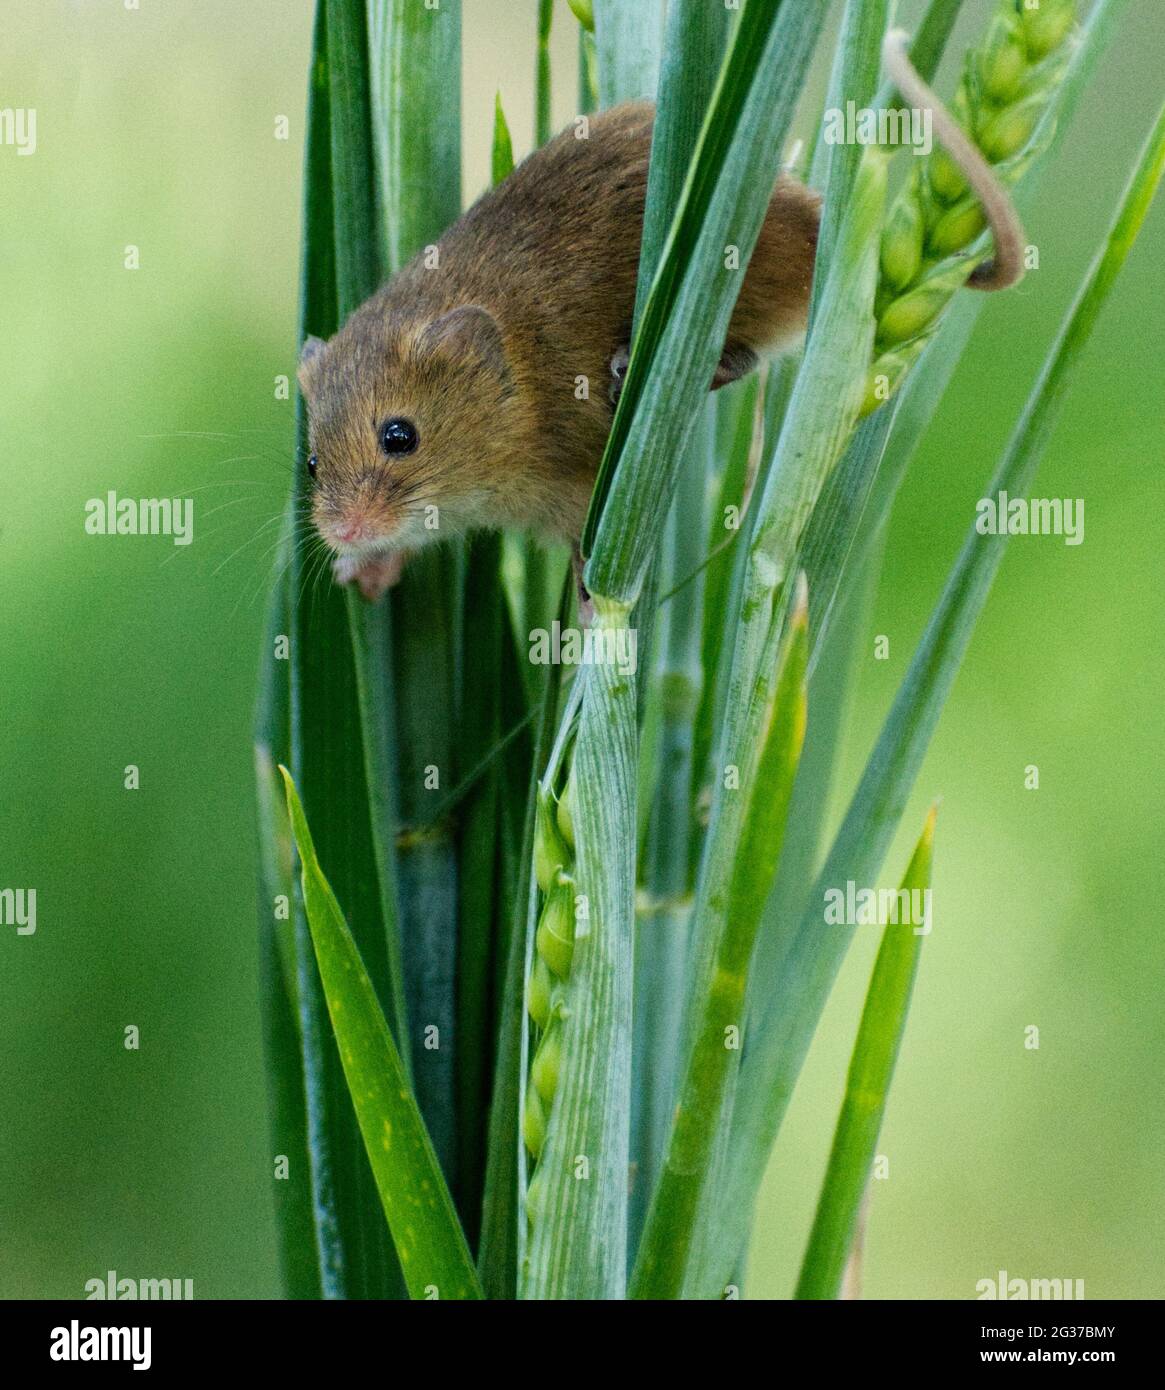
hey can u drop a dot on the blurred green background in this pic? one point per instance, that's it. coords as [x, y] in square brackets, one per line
[156, 128]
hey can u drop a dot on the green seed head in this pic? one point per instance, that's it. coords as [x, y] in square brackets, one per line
[550, 850]
[877, 392]
[547, 1060]
[957, 228]
[910, 315]
[555, 938]
[584, 12]
[946, 181]
[538, 999]
[566, 810]
[1009, 130]
[1003, 59]
[533, 1123]
[535, 1195]
[889, 371]
[1046, 27]
[902, 243]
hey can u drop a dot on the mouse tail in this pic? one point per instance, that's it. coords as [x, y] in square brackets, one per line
[1007, 267]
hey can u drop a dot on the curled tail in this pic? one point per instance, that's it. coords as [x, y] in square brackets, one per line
[1007, 268]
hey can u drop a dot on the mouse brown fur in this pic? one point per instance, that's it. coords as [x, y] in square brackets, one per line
[486, 348]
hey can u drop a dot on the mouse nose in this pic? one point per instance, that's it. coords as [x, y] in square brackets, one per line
[349, 530]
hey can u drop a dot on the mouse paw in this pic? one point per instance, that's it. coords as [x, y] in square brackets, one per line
[586, 607]
[374, 577]
[619, 361]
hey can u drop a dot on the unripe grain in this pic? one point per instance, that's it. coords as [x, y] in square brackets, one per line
[1003, 61]
[538, 999]
[533, 1122]
[902, 244]
[555, 938]
[1046, 28]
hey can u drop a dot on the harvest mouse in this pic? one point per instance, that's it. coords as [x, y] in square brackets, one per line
[477, 387]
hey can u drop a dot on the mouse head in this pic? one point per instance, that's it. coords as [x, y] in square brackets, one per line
[411, 427]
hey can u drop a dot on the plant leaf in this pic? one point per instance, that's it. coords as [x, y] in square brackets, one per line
[724, 200]
[856, 67]
[502, 1212]
[695, 38]
[577, 1248]
[430, 1244]
[718, 993]
[502, 150]
[324, 739]
[415, 113]
[813, 958]
[867, 1086]
[542, 76]
[627, 38]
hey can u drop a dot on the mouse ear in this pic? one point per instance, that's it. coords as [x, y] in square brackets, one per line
[309, 360]
[469, 331]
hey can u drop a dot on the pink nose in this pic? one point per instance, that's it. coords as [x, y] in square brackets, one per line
[348, 531]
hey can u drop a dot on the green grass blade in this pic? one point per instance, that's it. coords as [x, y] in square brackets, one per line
[837, 517]
[856, 67]
[479, 866]
[695, 38]
[588, 73]
[354, 1257]
[723, 201]
[627, 39]
[812, 962]
[359, 267]
[579, 1241]
[719, 990]
[542, 117]
[503, 1218]
[429, 1242]
[371, 877]
[294, 1229]
[867, 1087]
[664, 901]
[694, 42]
[482, 865]
[358, 245]
[416, 60]
[416, 123]
[502, 149]
[741, 426]
[826, 398]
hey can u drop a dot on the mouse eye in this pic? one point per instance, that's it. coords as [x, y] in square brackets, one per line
[398, 436]
[311, 465]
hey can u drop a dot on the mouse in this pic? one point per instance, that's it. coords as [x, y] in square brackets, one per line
[477, 387]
